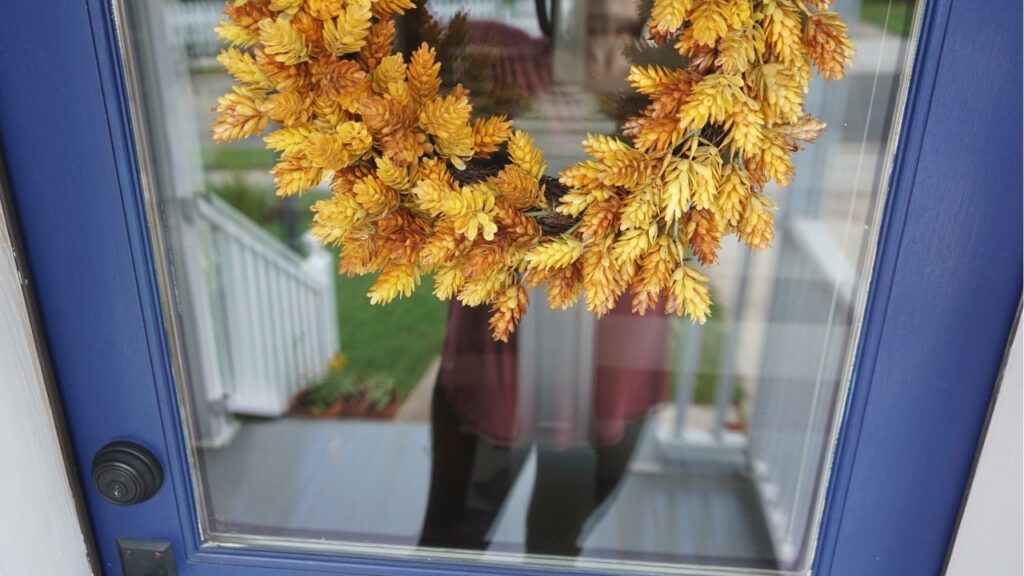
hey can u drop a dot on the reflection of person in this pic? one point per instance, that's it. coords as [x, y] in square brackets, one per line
[480, 440]
[485, 416]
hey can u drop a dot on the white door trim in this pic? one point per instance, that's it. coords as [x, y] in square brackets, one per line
[988, 540]
[40, 527]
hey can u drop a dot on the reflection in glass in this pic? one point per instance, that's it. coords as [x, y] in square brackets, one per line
[624, 443]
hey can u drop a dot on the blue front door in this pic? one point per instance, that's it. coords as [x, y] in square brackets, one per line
[824, 420]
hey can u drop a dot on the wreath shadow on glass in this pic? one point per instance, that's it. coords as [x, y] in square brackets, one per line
[422, 186]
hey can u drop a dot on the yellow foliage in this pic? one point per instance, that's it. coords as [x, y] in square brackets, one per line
[392, 7]
[583, 176]
[555, 253]
[711, 19]
[239, 115]
[601, 218]
[347, 32]
[457, 146]
[733, 194]
[243, 66]
[828, 44]
[394, 176]
[757, 226]
[283, 41]
[375, 196]
[288, 140]
[486, 288]
[667, 15]
[295, 176]
[746, 128]
[289, 7]
[379, 44]
[677, 193]
[424, 74]
[739, 50]
[712, 100]
[565, 286]
[650, 79]
[334, 218]
[489, 134]
[397, 280]
[289, 107]
[506, 311]
[471, 209]
[518, 188]
[236, 35]
[688, 294]
[325, 9]
[444, 117]
[390, 69]
[632, 243]
[603, 279]
[524, 153]
[641, 206]
[448, 281]
[782, 99]
[637, 214]
[653, 275]
[783, 31]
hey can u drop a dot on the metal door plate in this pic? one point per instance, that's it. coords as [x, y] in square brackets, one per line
[147, 558]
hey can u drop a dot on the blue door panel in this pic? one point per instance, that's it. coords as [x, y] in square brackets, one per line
[86, 245]
[946, 284]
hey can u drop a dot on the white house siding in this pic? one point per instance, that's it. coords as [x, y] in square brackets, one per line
[992, 527]
[39, 528]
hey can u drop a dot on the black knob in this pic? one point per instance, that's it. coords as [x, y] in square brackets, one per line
[126, 473]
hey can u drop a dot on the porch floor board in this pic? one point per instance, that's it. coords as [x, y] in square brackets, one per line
[367, 481]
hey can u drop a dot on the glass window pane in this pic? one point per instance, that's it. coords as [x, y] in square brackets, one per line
[626, 443]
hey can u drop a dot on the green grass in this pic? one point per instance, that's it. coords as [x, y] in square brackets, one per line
[263, 207]
[899, 15]
[399, 339]
[258, 205]
[238, 158]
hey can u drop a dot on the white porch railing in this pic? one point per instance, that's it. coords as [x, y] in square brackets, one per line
[803, 352]
[801, 312]
[803, 361]
[191, 23]
[272, 313]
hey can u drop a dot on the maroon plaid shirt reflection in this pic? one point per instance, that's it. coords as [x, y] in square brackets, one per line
[479, 376]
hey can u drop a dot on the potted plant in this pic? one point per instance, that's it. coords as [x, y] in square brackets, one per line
[324, 399]
[354, 398]
[383, 398]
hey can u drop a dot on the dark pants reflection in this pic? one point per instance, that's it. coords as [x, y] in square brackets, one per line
[471, 477]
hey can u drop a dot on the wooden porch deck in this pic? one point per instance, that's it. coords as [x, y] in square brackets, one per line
[367, 482]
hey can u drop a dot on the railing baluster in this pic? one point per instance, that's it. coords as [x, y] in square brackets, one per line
[309, 340]
[259, 325]
[279, 344]
[295, 334]
[726, 384]
[266, 310]
[688, 371]
[238, 333]
[275, 311]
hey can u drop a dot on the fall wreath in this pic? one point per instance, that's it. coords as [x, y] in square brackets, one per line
[421, 186]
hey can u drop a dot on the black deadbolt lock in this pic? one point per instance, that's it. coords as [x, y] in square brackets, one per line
[126, 473]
